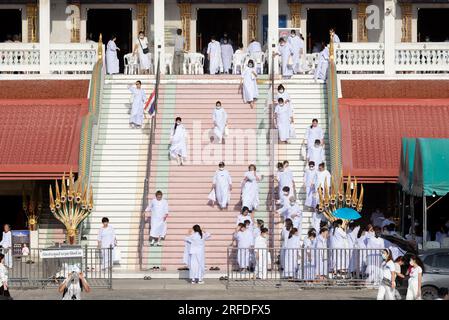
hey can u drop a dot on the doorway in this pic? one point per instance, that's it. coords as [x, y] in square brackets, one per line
[11, 212]
[319, 21]
[110, 22]
[433, 25]
[216, 22]
[10, 25]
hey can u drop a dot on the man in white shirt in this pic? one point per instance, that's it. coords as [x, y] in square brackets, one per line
[178, 57]
[254, 46]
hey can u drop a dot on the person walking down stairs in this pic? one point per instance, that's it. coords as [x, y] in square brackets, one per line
[178, 143]
[158, 222]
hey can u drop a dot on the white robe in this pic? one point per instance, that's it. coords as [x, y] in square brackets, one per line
[340, 254]
[254, 47]
[297, 220]
[297, 45]
[374, 258]
[310, 182]
[197, 265]
[112, 63]
[285, 206]
[336, 38]
[158, 209]
[214, 50]
[220, 117]
[144, 59]
[106, 237]
[283, 117]
[316, 220]
[250, 90]
[285, 52]
[323, 64]
[286, 97]
[250, 191]
[262, 257]
[321, 256]
[178, 145]
[285, 179]
[316, 154]
[244, 243]
[291, 256]
[6, 243]
[312, 134]
[323, 176]
[139, 99]
[222, 181]
[309, 259]
[241, 219]
[226, 56]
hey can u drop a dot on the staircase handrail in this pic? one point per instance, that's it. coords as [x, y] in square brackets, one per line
[272, 135]
[149, 159]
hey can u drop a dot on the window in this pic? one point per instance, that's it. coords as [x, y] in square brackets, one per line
[442, 261]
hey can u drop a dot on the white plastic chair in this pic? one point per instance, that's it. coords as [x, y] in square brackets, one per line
[432, 245]
[168, 57]
[238, 62]
[186, 64]
[196, 63]
[259, 61]
[445, 243]
[131, 65]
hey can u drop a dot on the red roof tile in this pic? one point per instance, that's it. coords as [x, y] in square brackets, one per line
[372, 130]
[40, 139]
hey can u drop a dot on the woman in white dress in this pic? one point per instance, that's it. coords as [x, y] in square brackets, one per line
[137, 109]
[250, 189]
[222, 184]
[107, 241]
[178, 143]
[142, 51]
[310, 181]
[245, 240]
[291, 255]
[4, 291]
[282, 93]
[158, 222]
[286, 53]
[415, 281]
[262, 254]
[249, 85]
[6, 243]
[313, 133]
[197, 265]
[388, 275]
[283, 120]
[340, 246]
[112, 63]
[322, 254]
[374, 244]
[288, 226]
[220, 118]
[310, 255]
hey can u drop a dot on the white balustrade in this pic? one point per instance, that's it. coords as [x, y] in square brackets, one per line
[359, 56]
[422, 57]
[23, 57]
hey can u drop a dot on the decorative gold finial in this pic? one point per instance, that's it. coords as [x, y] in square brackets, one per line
[100, 47]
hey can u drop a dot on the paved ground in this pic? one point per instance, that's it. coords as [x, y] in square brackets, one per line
[168, 289]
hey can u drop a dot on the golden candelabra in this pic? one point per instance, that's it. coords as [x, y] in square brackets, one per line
[72, 205]
[332, 198]
[32, 207]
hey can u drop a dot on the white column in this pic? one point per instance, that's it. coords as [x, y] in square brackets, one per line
[273, 34]
[159, 32]
[44, 36]
[389, 35]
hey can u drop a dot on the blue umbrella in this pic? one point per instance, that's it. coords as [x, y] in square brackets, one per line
[347, 214]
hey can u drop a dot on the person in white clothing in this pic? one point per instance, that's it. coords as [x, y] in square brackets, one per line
[336, 39]
[254, 46]
[313, 133]
[373, 258]
[323, 177]
[222, 184]
[415, 280]
[286, 53]
[142, 51]
[323, 65]
[291, 254]
[295, 214]
[340, 244]
[214, 55]
[178, 142]
[310, 182]
[322, 270]
[248, 85]
[285, 232]
[4, 290]
[73, 285]
[244, 239]
[309, 255]
[284, 202]
[159, 213]
[283, 120]
[197, 243]
[250, 188]
[112, 63]
[388, 273]
[315, 153]
[297, 44]
[282, 93]
[227, 53]
[262, 255]
[318, 219]
[6, 244]
[137, 109]
[285, 179]
[107, 241]
[220, 118]
[245, 215]
[377, 217]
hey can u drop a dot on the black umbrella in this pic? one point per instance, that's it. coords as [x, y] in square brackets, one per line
[408, 246]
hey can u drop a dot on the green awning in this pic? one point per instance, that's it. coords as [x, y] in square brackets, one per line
[407, 163]
[430, 174]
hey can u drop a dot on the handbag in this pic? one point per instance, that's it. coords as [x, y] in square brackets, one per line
[117, 255]
[386, 282]
[290, 61]
[145, 50]
[226, 131]
[212, 196]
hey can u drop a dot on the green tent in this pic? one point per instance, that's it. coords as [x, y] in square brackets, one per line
[407, 163]
[430, 174]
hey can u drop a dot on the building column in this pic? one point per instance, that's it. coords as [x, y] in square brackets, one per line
[44, 36]
[75, 6]
[389, 35]
[32, 22]
[185, 10]
[142, 17]
[159, 33]
[295, 14]
[253, 9]
[273, 34]
[362, 32]
[406, 9]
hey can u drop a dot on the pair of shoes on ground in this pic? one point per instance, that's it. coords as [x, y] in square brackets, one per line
[147, 278]
[214, 269]
[199, 282]
[223, 278]
[183, 268]
[158, 244]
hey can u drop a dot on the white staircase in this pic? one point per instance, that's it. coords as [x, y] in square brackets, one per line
[119, 167]
[309, 100]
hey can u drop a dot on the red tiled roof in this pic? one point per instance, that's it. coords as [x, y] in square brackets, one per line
[40, 139]
[44, 89]
[372, 130]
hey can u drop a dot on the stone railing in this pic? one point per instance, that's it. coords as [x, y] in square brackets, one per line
[422, 56]
[64, 57]
[353, 56]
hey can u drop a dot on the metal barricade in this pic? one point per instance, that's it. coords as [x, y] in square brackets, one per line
[36, 271]
[303, 267]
